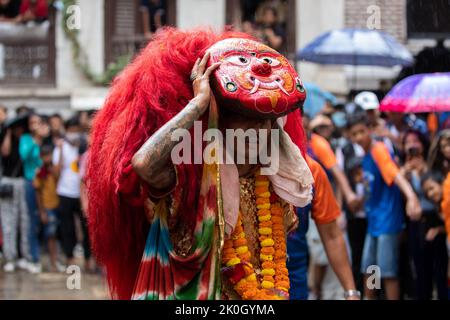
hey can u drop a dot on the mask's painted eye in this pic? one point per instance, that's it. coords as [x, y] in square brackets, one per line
[239, 60]
[272, 61]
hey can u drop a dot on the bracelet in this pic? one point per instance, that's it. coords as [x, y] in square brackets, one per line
[352, 293]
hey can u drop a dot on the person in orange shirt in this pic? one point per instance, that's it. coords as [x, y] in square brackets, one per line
[320, 150]
[324, 210]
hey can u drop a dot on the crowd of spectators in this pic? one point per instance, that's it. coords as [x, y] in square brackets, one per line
[391, 174]
[41, 190]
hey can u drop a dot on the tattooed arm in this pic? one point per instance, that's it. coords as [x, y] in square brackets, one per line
[152, 161]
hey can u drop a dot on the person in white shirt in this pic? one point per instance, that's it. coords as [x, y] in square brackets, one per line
[65, 158]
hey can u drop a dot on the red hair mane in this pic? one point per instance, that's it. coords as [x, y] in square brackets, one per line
[149, 92]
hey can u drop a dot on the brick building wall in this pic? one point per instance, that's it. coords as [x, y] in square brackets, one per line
[392, 16]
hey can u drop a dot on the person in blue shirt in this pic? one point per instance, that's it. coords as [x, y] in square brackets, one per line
[298, 256]
[384, 185]
[29, 150]
[29, 147]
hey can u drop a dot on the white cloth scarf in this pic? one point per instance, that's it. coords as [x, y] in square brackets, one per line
[292, 181]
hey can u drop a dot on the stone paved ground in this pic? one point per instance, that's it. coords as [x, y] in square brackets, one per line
[51, 285]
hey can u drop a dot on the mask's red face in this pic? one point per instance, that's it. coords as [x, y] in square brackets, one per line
[255, 79]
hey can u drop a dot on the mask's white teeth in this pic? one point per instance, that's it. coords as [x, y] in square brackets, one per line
[281, 87]
[255, 87]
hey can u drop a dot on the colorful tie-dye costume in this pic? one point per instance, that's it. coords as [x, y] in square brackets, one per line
[164, 274]
[140, 248]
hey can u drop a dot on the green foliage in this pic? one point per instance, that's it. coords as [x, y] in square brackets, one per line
[80, 57]
[114, 68]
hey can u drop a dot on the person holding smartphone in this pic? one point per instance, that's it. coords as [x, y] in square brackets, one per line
[424, 245]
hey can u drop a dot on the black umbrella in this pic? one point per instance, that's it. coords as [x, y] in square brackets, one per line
[19, 121]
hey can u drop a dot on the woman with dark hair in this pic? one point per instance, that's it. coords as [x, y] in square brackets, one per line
[427, 249]
[29, 150]
[439, 155]
[439, 160]
[437, 266]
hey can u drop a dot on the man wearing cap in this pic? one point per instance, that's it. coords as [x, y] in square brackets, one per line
[368, 101]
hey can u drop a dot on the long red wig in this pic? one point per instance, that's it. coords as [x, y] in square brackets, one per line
[149, 92]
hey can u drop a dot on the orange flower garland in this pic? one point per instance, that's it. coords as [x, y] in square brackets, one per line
[272, 281]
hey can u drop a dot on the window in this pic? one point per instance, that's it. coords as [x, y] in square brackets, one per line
[27, 44]
[271, 21]
[129, 24]
[428, 19]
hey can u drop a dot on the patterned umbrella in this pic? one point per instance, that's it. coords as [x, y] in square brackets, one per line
[356, 47]
[427, 92]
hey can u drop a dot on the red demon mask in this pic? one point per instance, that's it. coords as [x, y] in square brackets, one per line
[255, 79]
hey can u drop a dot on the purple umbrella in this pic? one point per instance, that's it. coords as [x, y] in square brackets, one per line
[427, 92]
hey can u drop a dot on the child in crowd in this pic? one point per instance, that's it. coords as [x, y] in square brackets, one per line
[436, 261]
[356, 177]
[356, 222]
[47, 201]
[383, 206]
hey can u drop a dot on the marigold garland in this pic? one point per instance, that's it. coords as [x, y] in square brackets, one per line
[272, 281]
